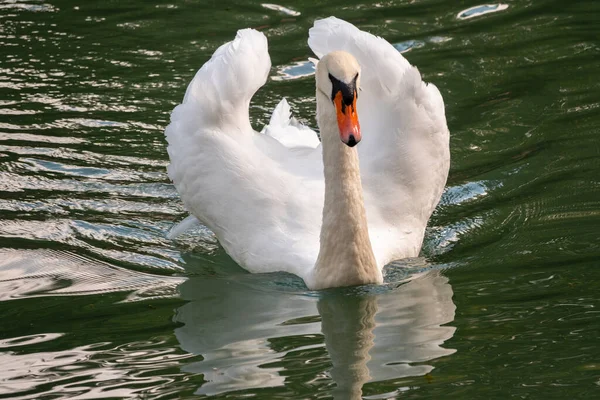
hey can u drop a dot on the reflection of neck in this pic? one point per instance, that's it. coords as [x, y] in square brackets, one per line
[347, 324]
[345, 255]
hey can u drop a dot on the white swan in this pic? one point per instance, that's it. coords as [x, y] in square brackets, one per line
[279, 200]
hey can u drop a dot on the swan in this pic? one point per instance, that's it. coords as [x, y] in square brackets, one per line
[333, 211]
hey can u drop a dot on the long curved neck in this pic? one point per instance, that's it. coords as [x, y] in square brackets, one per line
[345, 255]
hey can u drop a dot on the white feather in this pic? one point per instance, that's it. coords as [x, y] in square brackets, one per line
[262, 193]
[404, 154]
[188, 223]
[287, 130]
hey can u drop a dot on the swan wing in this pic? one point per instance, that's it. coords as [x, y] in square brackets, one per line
[404, 152]
[260, 198]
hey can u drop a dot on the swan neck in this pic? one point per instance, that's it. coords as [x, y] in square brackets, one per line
[345, 254]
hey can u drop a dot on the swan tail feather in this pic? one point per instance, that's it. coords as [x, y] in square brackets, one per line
[288, 130]
[188, 223]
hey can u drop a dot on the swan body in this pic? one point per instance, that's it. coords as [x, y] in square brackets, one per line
[280, 200]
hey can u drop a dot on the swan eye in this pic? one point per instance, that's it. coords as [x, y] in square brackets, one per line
[348, 90]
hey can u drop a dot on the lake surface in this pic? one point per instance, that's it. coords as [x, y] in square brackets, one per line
[95, 302]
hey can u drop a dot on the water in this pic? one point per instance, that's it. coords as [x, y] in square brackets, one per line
[95, 302]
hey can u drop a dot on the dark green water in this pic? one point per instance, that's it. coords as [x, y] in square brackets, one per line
[96, 303]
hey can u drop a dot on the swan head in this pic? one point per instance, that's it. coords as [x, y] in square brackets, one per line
[338, 78]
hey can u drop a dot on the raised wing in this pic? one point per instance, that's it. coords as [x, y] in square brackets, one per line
[257, 195]
[404, 154]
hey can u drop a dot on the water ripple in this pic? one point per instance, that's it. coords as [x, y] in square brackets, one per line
[92, 371]
[23, 5]
[34, 273]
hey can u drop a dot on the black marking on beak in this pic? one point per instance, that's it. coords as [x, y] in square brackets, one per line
[351, 141]
[348, 91]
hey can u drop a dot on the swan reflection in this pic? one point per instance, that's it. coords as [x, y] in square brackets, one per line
[347, 324]
[249, 335]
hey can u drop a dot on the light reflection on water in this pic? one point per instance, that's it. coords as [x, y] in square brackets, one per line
[281, 9]
[481, 10]
[91, 371]
[300, 69]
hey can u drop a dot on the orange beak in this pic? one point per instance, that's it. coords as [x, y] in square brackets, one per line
[347, 119]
